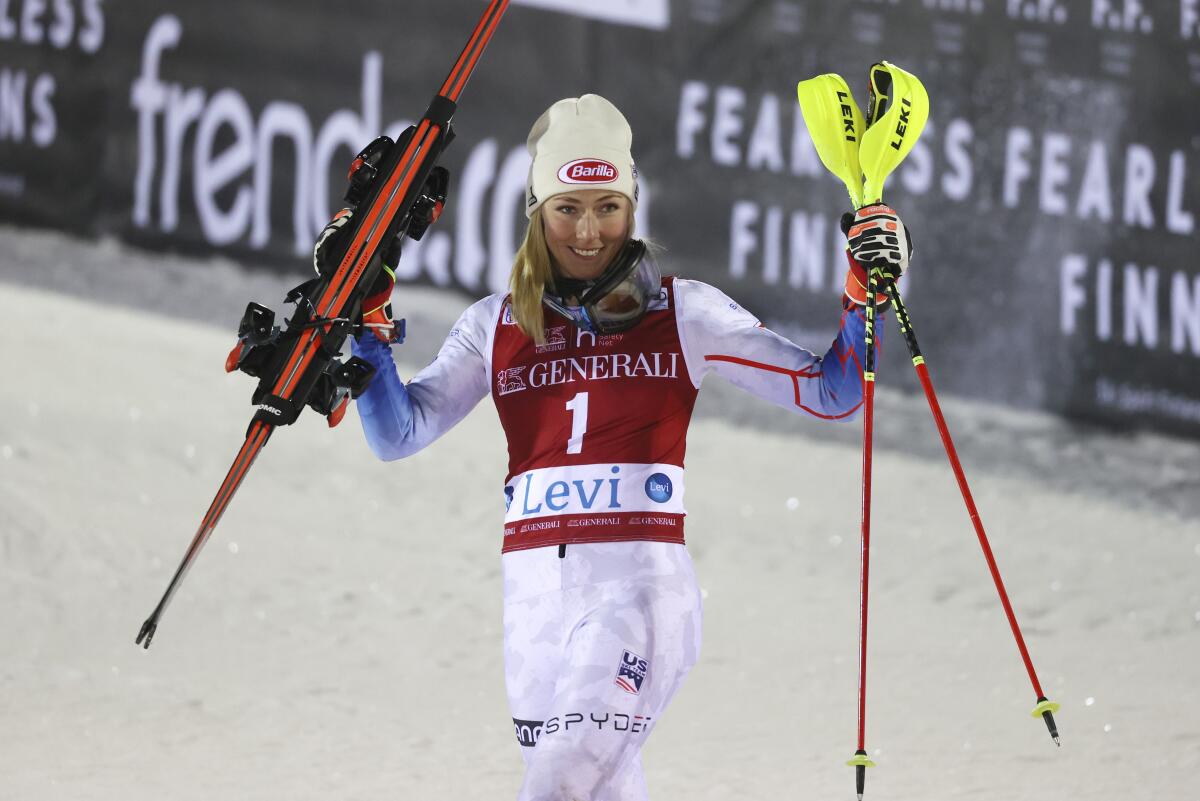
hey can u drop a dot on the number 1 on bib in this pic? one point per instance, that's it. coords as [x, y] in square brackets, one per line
[578, 406]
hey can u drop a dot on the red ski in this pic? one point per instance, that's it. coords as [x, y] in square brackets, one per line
[298, 365]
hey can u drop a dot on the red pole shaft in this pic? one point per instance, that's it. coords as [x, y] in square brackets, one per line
[865, 556]
[956, 466]
[865, 541]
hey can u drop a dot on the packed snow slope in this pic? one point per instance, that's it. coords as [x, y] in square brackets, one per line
[339, 638]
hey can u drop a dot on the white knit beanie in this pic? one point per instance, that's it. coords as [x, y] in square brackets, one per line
[580, 143]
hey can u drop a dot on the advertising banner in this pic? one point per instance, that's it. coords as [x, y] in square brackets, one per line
[1052, 197]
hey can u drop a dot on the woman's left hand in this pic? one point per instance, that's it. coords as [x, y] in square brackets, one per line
[879, 242]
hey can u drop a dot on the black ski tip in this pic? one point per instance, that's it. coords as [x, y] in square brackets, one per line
[146, 633]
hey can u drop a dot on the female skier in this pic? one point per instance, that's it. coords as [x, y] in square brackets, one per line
[594, 361]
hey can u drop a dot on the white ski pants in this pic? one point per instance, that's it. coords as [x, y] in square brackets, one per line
[595, 646]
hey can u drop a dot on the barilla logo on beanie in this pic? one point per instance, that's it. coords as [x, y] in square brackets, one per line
[587, 171]
[579, 142]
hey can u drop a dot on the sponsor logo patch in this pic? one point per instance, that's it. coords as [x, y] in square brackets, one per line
[587, 171]
[595, 494]
[617, 721]
[658, 488]
[527, 731]
[653, 520]
[556, 339]
[509, 380]
[599, 367]
[660, 303]
[631, 673]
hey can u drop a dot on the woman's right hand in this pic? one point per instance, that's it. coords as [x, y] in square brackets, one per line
[377, 305]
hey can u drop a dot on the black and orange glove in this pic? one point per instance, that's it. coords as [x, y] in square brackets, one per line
[879, 242]
[426, 208]
[377, 305]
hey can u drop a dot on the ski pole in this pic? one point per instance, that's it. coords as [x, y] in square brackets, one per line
[873, 173]
[860, 760]
[1045, 708]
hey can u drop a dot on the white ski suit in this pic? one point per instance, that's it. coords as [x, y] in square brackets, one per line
[601, 604]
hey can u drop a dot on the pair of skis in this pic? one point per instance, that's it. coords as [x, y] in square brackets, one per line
[862, 153]
[297, 365]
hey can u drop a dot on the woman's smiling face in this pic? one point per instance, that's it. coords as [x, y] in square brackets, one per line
[585, 230]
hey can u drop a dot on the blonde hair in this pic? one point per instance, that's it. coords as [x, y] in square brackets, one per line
[532, 273]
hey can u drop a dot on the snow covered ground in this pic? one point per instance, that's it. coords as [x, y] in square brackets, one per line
[340, 636]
